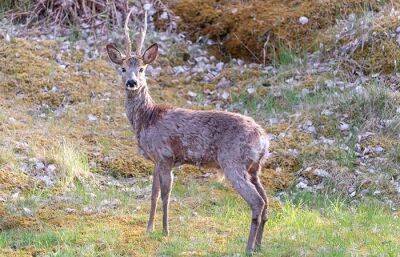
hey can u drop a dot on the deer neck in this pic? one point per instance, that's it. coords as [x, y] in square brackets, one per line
[139, 107]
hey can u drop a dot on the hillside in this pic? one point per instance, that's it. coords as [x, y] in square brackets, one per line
[326, 91]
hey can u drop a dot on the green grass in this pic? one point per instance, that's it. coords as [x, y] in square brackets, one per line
[211, 220]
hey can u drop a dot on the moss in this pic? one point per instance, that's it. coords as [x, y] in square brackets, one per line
[11, 180]
[29, 69]
[243, 27]
[129, 167]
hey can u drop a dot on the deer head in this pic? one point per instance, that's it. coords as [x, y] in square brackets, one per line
[132, 66]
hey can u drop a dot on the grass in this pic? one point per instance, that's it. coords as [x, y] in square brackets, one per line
[213, 221]
[207, 217]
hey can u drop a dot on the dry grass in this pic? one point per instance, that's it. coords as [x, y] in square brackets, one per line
[368, 43]
[77, 12]
[86, 87]
[242, 27]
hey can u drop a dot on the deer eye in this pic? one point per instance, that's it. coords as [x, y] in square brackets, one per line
[141, 70]
[123, 70]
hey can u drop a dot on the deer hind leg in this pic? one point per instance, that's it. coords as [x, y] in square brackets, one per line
[155, 194]
[242, 184]
[165, 176]
[264, 216]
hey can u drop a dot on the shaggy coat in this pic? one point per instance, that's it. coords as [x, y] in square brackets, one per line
[201, 138]
[173, 136]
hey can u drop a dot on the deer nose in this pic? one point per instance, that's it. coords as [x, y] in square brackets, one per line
[131, 83]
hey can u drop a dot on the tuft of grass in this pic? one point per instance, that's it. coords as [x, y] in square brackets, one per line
[74, 164]
[373, 103]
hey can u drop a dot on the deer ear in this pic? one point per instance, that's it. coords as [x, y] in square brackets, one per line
[150, 54]
[114, 54]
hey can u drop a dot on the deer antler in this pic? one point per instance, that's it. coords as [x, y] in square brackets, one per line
[140, 40]
[128, 43]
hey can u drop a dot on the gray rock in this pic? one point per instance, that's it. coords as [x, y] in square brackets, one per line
[92, 118]
[50, 168]
[70, 210]
[344, 126]
[303, 20]
[223, 83]
[301, 185]
[27, 212]
[39, 165]
[219, 66]
[225, 95]
[192, 94]
[321, 173]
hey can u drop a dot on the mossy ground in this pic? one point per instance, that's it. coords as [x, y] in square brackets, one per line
[207, 217]
[242, 28]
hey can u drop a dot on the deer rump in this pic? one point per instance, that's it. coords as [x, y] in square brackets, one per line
[203, 138]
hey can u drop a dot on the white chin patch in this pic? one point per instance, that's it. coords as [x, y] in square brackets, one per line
[132, 88]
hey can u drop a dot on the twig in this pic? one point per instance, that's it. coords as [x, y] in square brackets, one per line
[265, 50]
[245, 46]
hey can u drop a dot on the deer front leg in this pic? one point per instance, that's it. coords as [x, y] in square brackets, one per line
[155, 194]
[165, 176]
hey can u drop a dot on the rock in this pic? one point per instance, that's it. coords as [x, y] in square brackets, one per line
[328, 141]
[359, 90]
[70, 210]
[251, 90]
[219, 66]
[365, 183]
[192, 94]
[110, 204]
[201, 59]
[398, 30]
[164, 16]
[364, 192]
[39, 165]
[88, 210]
[326, 112]
[50, 168]
[311, 129]
[27, 212]
[147, 7]
[321, 173]
[225, 95]
[378, 149]
[301, 185]
[303, 20]
[352, 194]
[92, 118]
[178, 70]
[154, 72]
[12, 120]
[308, 127]
[376, 192]
[344, 126]
[7, 38]
[305, 91]
[223, 83]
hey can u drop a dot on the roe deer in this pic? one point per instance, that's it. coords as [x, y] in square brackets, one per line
[171, 136]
